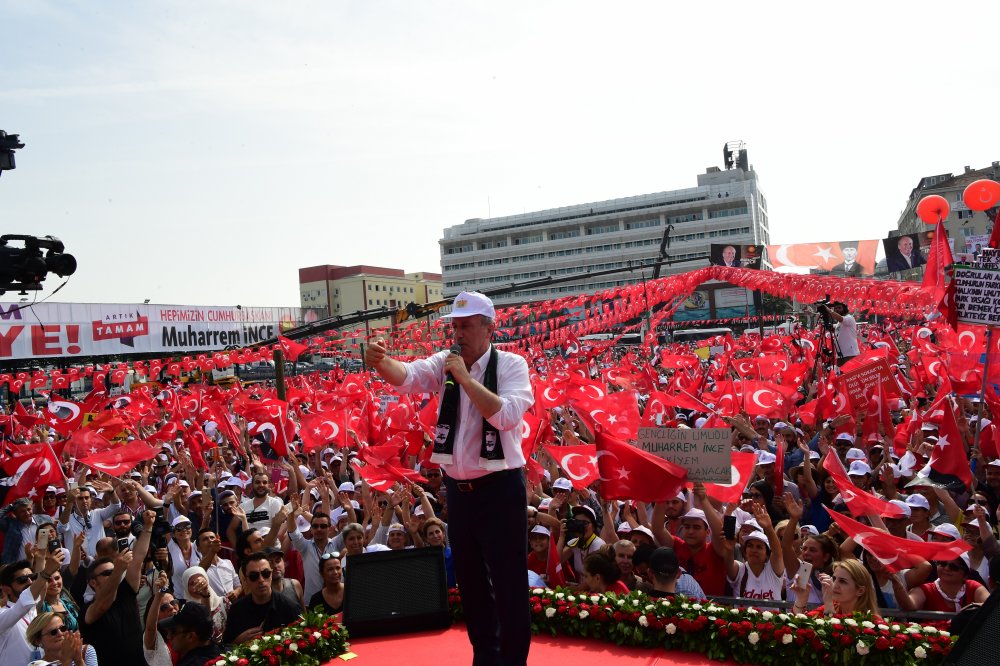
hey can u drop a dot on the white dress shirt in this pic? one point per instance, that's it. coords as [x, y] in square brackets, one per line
[514, 389]
[222, 577]
[95, 532]
[14, 620]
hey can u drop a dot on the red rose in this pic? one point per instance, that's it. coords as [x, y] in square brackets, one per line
[537, 608]
[881, 643]
[272, 661]
[325, 633]
[574, 611]
[846, 640]
[242, 662]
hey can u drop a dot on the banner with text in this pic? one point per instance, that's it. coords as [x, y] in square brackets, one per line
[50, 330]
[977, 294]
[705, 453]
[861, 382]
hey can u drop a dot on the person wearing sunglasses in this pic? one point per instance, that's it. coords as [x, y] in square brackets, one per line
[23, 588]
[54, 642]
[312, 549]
[952, 590]
[111, 622]
[331, 597]
[260, 610]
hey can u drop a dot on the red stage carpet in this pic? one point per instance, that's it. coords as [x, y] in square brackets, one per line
[450, 647]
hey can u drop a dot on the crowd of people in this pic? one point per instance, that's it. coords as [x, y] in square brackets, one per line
[199, 548]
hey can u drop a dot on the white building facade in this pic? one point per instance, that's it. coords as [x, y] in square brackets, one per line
[726, 207]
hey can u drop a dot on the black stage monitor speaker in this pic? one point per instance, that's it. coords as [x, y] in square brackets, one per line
[396, 591]
[977, 643]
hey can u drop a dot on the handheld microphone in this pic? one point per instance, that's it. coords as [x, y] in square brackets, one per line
[456, 350]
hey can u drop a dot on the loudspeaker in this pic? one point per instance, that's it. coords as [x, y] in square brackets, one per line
[977, 642]
[395, 591]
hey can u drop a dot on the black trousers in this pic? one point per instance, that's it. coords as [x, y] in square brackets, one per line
[488, 533]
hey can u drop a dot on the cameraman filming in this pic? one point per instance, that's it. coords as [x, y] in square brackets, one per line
[846, 331]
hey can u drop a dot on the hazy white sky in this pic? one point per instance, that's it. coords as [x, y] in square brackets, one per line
[201, 152]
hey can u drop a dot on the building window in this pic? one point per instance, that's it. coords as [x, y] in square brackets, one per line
[727, 212]
[524, 240]
[604, 229]
[560, 235]
[642, 224]
[688, 217]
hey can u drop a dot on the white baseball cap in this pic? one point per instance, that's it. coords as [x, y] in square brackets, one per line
[855, 454]
[917, 501]
[846, 437]
[541, 529]
[695, 514]
[562, 484]
[346, 487]
[947, 530]
[903, 506]
[859, 468]
[765, 458]
[469, 304]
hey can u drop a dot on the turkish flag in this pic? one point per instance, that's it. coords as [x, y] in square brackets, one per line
[377, 478]
[627, 472]
[579, 463]
[657, 410]
[86, 442]
[743, 466]
[291, 349]
[107, 424]
[64, 416]
[547, 395]
[894, 552]
[24, 418]
[270, 423]
[949, 455]
[121, 459]
[197, 442]
[938, 259]
[553, 567]
[29, 473]
[765, 399]
[859, 502]
[324, 429]
[616, 414]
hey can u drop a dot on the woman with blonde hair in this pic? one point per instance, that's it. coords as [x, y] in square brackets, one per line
[849, 590]
[54, 642]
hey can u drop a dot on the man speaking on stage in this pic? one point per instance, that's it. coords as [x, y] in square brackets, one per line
[483, 393]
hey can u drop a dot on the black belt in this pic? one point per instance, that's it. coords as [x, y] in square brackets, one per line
[475, 484]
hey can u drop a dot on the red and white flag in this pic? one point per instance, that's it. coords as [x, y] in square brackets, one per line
[578, 463]
[30, 473]
[743, 465]
[627, 472]
[121, 459]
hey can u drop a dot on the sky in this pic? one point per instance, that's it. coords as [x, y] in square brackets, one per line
[202, 152]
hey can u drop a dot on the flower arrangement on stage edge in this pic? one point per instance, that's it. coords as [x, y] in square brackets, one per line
[745, 635]
[315, 639]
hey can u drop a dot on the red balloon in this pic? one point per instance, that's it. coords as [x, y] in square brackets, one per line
[933, 208]
[981, 194]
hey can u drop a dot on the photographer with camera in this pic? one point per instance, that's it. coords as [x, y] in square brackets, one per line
[578, 538]
[845, 331]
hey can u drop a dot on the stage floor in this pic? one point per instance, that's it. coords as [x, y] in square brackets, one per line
[450, 647]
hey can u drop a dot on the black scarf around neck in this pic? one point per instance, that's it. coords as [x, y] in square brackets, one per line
[491, 452]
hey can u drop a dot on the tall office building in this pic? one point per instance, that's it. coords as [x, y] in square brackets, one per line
[727, 206]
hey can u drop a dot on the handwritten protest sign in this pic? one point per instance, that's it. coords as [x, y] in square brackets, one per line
[704, 452]
[977, 294]
[859, 383]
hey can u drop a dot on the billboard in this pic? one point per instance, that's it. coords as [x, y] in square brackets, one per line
[737, 256]
[53, 330]
[903, 252]
[849, 258]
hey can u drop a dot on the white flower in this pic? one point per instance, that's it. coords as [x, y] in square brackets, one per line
[786, 639]
[538, 590]
[549, 612]
[753, 638]
[930, 630]
[594, 598]
[751, 611]
[711, 618]
[671, 629]
[559, 595]
[685, 606]
[584, 615]
[862, 648]
[834, 620]
[783, 617]
[913, 629]
[696, 606]
[920, 652]
[868, 625]
[819, 621]
[233, 659]
[643, 621]
[944, 633]
[883, 627]
[294, 647]
[895, 627]
[570, 598]
[767, 615]
[850, 622]
[621, 602]
[254, 647]
[649, 607]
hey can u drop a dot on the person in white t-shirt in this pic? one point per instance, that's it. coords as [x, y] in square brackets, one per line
[847, 332]
[761, 575]
[261, 506]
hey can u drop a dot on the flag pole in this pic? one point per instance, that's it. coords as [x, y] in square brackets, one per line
[982, 391]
